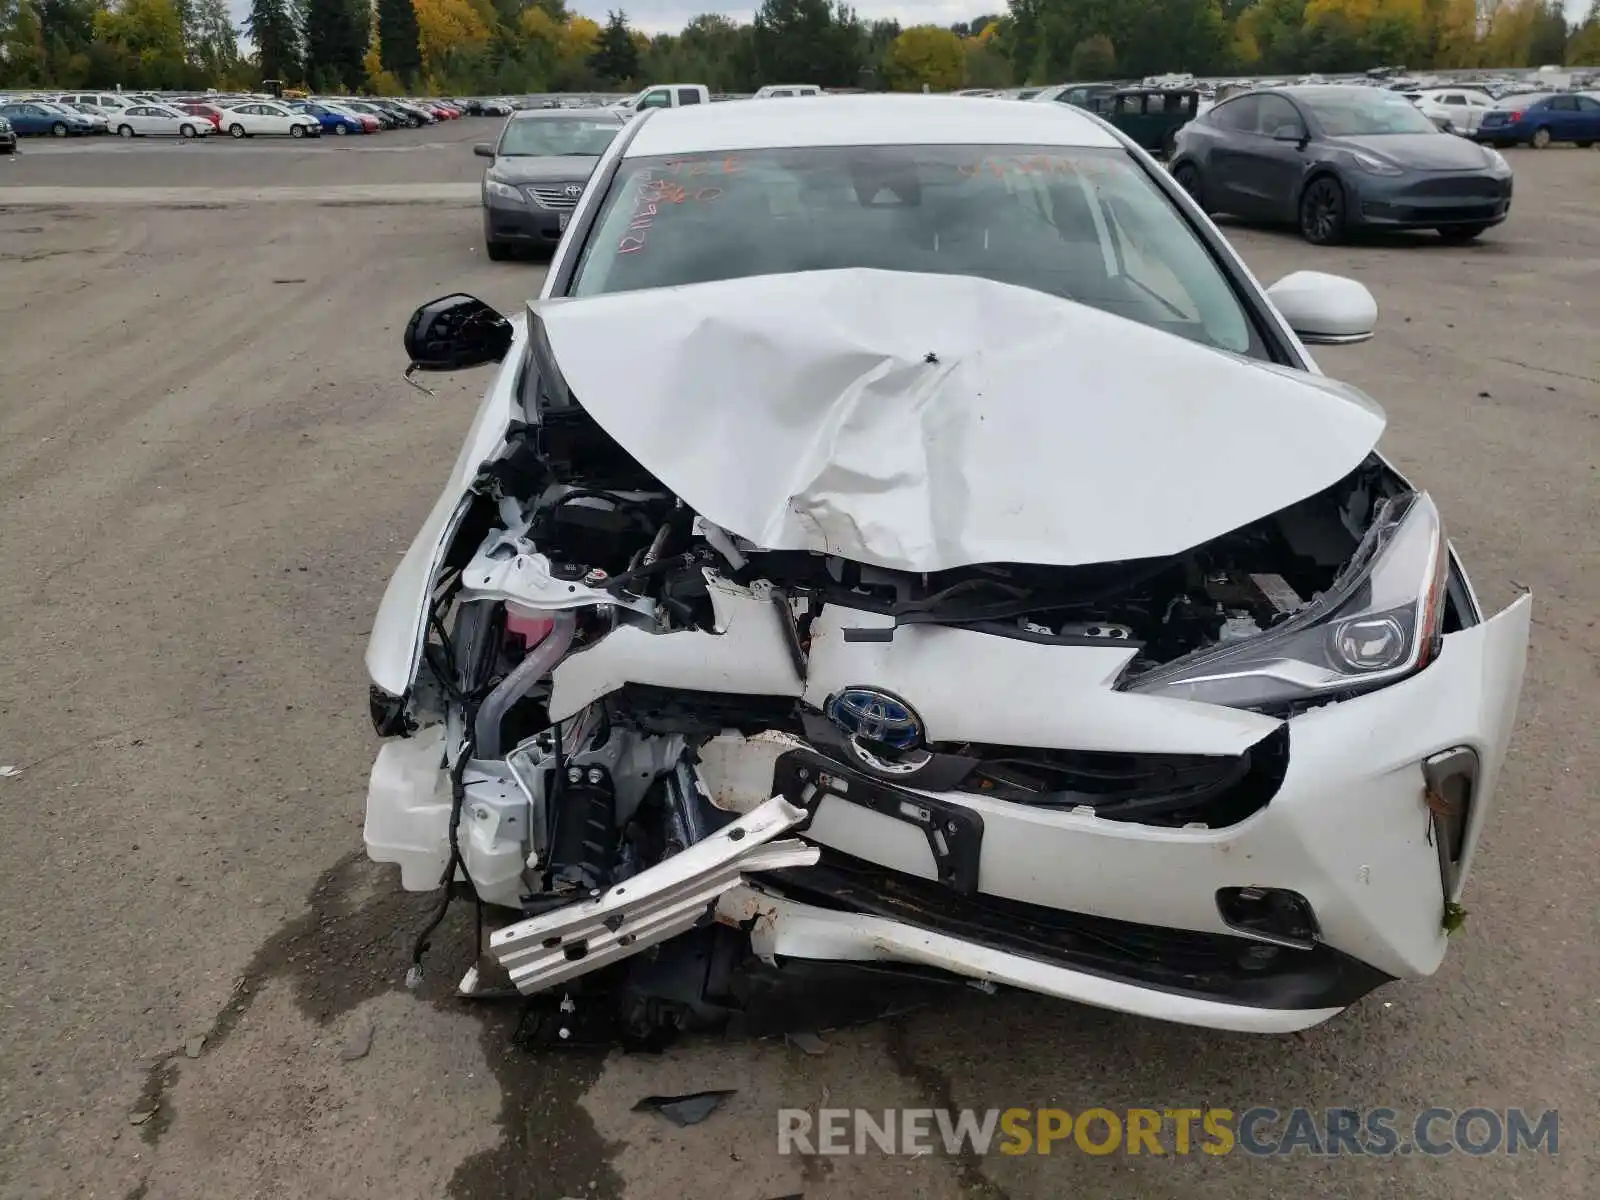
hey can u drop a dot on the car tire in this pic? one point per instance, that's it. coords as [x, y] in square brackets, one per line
[1583, 145]
[498, 251]
[1540, 138]
[1322, 211]
[59, 129]
[187, 131]
[125, 131]
[1187, 176]
[297, 131]
[1461, 233]
[236, 130]
[340, 130]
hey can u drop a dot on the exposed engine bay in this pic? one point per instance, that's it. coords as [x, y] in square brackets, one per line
[554, 805]
[923, 672]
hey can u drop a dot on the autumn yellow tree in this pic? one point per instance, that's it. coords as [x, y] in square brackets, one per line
[446, 25]
[1509, 40]
[1455, 34]
[925, 54]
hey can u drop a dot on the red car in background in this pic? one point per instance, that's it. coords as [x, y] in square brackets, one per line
[446, 113]
[208, 111]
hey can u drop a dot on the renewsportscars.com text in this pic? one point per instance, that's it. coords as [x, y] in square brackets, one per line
[1259, 1131]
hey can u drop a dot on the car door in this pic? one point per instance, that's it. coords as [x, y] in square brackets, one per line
[656, 98]
[1587, 122]
[1454, 107]
[1562, 118]
[1277, 158]
[1230, 147]
[22, 121]
[272, 119]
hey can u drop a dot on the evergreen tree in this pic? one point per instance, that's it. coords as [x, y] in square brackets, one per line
[272, 28]
[399, 46]
[615, 58]
[337, 32]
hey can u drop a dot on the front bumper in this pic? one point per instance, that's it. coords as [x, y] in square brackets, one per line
[1473, 198]
[522, 224]
[1113, 913]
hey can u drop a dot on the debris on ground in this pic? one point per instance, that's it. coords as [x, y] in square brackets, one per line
[685, 1110]
[194, 1045]
[809, 1042]
[359, 1044]
[140, 1117]
[7, 770]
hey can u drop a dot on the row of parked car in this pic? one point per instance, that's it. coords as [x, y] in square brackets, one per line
[142, 115]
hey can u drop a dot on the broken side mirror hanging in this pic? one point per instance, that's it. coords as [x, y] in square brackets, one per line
[453, 332]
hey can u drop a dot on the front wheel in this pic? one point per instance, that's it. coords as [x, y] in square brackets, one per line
[187, 131]
[125, 131]
[1322, 212]
[340, 130]
[1541, 138]
[236, 130]
[1187, 176]
[1461, 233]
[298, 131]
[59, 129]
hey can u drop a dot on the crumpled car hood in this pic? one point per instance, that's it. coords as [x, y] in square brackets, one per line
[924, 422]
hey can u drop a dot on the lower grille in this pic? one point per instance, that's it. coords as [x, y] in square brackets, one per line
[1219, 966]
[1465, 187]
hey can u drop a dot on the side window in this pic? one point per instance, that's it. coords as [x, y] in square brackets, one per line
[1585, 104]
[1279, 119]
[1452, 98]
[1240, 114]
[692, 95]
[1564, 103]
[660, 98]
[1155, 104]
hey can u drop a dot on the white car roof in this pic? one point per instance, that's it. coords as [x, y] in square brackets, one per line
[879, 120]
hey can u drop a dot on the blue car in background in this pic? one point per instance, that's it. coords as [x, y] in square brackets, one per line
[38, 118]
[332, 120]
[1540, 120]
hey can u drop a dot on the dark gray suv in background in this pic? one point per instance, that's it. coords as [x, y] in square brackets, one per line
[1334, 159]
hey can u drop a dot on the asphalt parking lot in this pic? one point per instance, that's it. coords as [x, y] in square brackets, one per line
[209, 465]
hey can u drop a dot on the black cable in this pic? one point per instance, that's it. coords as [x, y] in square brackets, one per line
[458, 795]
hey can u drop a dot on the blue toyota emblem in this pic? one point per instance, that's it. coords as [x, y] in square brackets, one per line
[876, 717]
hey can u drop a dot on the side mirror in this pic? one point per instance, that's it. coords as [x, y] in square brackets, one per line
[483, 150]
[1289, 133]
[454, 332]
[1325, 310]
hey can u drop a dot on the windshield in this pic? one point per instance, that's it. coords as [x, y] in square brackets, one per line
[1365, 112]
[1084, 224]
[546, 137]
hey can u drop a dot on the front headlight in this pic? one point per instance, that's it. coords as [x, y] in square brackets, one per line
[1374, 165]
[1497, 161]
[1380, 620]
[493, 187]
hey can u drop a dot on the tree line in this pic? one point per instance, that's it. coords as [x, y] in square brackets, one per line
[513, 46]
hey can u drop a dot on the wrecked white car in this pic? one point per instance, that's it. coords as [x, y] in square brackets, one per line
[904, 538]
